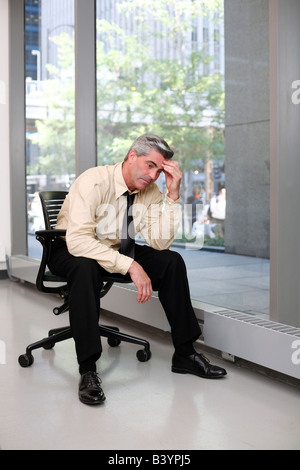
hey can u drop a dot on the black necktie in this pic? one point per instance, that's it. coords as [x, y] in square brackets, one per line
[127, 242]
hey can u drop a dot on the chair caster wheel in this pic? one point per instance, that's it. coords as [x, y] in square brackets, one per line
[113, 342]
[26, 360]
[143, 355]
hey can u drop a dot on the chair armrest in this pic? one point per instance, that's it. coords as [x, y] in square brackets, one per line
[46, 237]
[50, 234]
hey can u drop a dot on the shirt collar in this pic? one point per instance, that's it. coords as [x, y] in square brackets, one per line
[120, 185]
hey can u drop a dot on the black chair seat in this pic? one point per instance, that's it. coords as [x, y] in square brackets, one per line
[48, 276]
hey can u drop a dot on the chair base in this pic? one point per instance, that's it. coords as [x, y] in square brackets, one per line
[113, 335]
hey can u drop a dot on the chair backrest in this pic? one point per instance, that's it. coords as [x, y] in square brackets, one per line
[51, 204]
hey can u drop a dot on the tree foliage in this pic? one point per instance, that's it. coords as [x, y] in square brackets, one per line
[149, 79]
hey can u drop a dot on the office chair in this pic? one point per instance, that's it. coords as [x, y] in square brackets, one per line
[51, 204]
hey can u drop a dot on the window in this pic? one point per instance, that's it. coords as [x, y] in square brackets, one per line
[150, 79]
[161, 70]
[251, 71]
[50, 106]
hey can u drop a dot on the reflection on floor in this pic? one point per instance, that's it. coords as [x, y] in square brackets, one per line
[147, 406]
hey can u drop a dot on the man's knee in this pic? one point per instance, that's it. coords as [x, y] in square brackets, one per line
[85, 268]
[173, 259]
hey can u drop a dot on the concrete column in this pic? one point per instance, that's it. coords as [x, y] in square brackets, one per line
[18, 203]
[85, 85]
[247, 152]
[5, 233]
[285, 161]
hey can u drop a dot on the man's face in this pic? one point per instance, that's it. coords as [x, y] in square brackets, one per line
[144, 170]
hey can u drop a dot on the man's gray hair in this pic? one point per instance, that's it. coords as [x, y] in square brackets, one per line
[146, 142]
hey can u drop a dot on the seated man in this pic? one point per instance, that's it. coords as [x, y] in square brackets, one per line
[93, 214]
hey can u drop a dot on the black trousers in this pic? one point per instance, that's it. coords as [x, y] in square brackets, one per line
[167, 272]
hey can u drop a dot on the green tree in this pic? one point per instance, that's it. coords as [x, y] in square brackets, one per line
[55, 135]
[138, 89]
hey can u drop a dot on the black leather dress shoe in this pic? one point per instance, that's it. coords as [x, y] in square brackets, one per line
[90, 391]
[196, 364]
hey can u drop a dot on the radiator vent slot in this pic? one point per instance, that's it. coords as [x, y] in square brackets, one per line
[260, 322]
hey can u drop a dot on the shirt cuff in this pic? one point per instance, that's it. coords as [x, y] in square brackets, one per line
[171, 202]
[127, 263]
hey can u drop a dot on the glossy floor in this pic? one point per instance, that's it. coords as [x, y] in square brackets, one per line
[147, 406]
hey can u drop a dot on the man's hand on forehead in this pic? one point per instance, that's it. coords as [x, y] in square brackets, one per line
[173, 177]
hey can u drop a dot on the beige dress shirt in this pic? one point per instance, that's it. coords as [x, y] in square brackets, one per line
[93, 212]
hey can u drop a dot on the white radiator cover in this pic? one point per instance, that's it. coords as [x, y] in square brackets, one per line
[269, 344]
